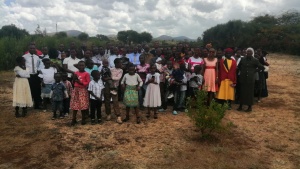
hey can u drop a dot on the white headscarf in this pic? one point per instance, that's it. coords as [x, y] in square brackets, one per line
[251, 50]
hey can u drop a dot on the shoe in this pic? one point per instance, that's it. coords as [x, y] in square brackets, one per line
[24, 112]
[17, 114]
[113, 92]
[108, 117]
[248, 110]
[138, 120]
[148, 115]
[67, 114]
[170, 96]
[61, 116]
[126, 119]
[161, 110]
[119, 120]
[100, 121]
[93, 122]
[73, 122]
[239, 109]
[44, 111]
[174, 112]
[53, 117]
[83, 122]
[155, 116]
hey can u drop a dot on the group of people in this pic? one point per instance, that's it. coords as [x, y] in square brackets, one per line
[81, 80]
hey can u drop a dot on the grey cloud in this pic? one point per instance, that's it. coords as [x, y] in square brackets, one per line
[207, 7]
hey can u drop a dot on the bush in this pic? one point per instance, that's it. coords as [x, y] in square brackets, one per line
[206, 118]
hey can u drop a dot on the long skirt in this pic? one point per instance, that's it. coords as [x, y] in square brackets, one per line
[247, 93]
[226, 91]
[21, 93]
[152, 96]
[131, 97]
[79, 99]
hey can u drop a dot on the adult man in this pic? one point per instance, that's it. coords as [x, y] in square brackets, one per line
[112, 57]
[37, 52]
[134, 57]
[60, 51]
[33, 62]
[148, 55]
[81, 52]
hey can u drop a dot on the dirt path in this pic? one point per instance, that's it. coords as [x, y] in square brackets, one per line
[269, 137]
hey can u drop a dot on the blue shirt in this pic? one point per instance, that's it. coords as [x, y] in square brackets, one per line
[58, 91]
[134, 58]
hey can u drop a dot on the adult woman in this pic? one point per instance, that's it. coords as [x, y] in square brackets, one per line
[248, 67]
[210, 74]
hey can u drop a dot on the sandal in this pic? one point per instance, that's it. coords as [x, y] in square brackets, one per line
[138, 120]
[126, 119]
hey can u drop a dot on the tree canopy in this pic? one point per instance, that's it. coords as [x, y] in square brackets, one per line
[12, 31]
[131, 36]
[274, 33]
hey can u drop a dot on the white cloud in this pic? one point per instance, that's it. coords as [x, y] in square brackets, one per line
[170, 17]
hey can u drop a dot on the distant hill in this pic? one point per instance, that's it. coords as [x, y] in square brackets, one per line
[179, 38]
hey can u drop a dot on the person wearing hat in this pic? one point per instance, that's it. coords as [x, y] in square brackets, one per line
[227, 77]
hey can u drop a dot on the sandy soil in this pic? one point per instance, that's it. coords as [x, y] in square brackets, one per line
[269, 137]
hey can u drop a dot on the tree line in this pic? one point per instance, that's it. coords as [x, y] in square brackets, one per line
[272, 33]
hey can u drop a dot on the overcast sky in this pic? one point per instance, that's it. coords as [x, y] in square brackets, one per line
[159, 17]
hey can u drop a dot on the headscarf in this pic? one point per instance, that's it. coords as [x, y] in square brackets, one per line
[228, 50]
[251, 50]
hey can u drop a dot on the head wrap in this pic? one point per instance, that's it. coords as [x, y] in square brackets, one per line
[251, 50]
[228, 50]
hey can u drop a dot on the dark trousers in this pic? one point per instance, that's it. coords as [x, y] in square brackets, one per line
[66, 105]
[95, 105]
[177, 94]
[163, 96]
[57, 106]
[107, 97]
[35, 88]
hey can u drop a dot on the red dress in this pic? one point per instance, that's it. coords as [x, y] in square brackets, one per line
[80, 95]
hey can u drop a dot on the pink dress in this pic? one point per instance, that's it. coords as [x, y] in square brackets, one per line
[210, 75]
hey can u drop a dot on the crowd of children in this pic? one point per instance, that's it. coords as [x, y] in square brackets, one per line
[79, 84]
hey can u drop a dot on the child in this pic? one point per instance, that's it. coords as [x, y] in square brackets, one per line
[47, 78]
[133, 83]
[95, 89]
[196, 81]
[66, 102]
[162, 78]
[21, 90]
[142, 71]
[90, 67]
[57, 95]
[80, 96]
[183, 89]
[116, 75]
[176, 82]
[106, 77]
[152, 97]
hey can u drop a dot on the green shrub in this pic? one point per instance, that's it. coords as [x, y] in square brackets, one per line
[206, 118]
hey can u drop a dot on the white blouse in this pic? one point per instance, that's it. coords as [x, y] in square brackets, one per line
[132, 80]
[156, 76]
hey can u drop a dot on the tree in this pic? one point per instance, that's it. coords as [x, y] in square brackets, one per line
[61, 35]
[131, 36]
[145, 37]
[102, 37]
[83, 36]
[12, 31]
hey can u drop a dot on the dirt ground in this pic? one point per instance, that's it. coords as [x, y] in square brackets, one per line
[269, 137]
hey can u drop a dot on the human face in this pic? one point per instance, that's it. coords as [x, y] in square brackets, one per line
[131, 70]
[87, 54]
[61, 47]
[249, 53]
[212, 53]
[142, 59]
[47, 64]
[153, 69]
[73, 53]
[90, 64]
[57, 78]
[45, 51]
[119, 64]
[105, 63]
[81, 66]
[64, 77]
[32, 49]
[96, 76]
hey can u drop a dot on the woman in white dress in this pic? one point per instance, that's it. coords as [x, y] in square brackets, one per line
[21, 90]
